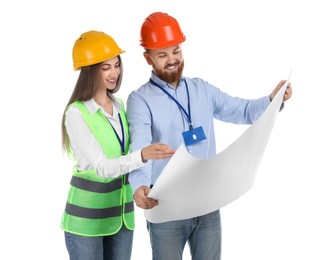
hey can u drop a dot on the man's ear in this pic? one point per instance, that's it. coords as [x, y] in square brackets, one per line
[147, 57]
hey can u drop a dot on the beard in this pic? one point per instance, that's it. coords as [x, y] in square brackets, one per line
[171, 77]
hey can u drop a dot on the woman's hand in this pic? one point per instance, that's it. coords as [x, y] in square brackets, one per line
[156, 151]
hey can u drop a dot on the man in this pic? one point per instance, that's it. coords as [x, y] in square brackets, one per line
[172, 108]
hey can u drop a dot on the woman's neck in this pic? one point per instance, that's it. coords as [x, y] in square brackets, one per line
[105, 102]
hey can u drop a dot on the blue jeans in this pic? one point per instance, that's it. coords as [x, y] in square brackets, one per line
[114, 247]
[203, 235]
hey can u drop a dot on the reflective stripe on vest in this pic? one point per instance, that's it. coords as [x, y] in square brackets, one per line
[96, 186]
[98, 213]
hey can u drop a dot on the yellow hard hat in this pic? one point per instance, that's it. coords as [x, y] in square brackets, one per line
[93, 47]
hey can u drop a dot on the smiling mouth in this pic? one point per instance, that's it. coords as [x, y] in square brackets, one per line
[112, 81]
[172, 66]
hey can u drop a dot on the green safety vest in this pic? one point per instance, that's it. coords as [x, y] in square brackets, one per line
[99, 206]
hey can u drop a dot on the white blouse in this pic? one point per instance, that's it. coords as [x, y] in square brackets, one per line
[88, 152]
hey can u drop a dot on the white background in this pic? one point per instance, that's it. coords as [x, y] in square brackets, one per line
[243, 47]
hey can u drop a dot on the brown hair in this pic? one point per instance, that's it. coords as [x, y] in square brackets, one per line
[86, 86]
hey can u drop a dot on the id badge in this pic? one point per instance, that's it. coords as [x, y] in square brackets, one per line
[194, 136]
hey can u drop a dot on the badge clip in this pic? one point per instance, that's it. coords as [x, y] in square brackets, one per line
[193, 136]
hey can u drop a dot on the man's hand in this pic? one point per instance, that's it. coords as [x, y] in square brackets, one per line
[287, 94]
[141, 198]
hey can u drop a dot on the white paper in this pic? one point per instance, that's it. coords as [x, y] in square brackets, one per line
[190, 187]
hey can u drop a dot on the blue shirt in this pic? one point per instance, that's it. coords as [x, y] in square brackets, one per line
[154, 117]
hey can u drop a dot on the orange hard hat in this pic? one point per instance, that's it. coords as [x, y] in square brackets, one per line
[160, 30]
[93, 47]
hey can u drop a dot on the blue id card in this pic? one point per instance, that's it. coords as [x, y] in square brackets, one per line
[193, 136]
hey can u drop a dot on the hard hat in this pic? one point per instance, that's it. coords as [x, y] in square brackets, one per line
[160, 30]
[93, 47]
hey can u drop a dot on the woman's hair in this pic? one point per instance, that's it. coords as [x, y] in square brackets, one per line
[85, 88]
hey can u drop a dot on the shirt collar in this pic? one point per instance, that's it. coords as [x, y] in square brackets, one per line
[93, 106]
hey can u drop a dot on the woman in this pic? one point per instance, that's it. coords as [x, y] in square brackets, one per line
[98, 220]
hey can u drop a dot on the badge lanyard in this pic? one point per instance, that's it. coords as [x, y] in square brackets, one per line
[194, 135]
[121, 142]
[187, 114]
